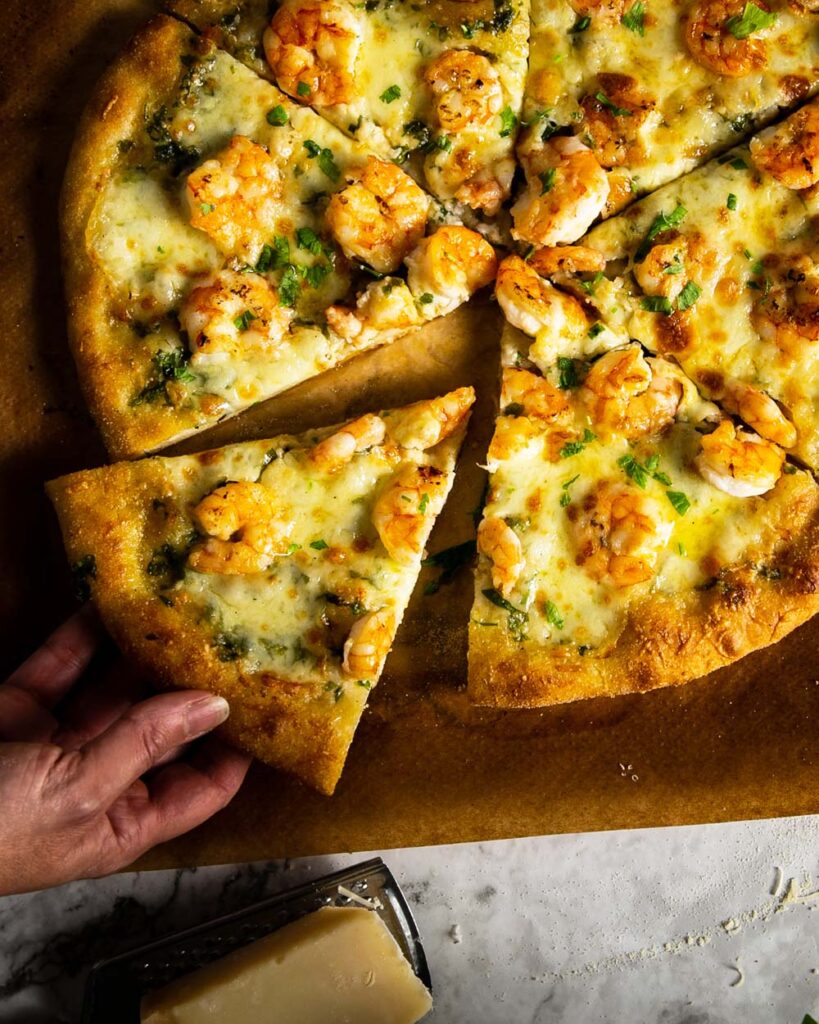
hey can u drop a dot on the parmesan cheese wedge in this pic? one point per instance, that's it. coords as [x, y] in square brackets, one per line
[339, 964]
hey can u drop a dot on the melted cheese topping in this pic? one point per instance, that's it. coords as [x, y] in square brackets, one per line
[737, 266]
[540, 495]
[293, 619]
[694, 112]
[142, 238]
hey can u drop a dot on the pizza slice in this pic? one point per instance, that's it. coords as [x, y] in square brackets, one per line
[439, 85]
[273, 572]
[720, 272]
[634, 535]
[623, 96]
[223, 243]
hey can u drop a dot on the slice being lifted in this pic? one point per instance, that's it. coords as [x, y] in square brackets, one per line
[439, 83]
[633, 537]
[720, 271]
[647, 92]
[272, 572]
[224, 243]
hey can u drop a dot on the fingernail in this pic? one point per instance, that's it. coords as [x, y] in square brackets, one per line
[205, 714]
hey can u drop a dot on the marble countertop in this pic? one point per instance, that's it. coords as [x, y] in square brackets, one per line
[695, 925]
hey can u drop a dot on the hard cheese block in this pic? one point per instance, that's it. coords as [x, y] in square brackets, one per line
[339, 965]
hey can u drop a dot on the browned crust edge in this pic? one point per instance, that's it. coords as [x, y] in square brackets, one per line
[665, 641]
[145, 72]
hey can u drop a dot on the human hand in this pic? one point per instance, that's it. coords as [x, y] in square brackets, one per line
[73, 756]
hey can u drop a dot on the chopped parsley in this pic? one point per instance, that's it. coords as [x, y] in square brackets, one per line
[580, 25]
[688, 296]
[547, 180]
[634, 18]
[517, 620]
[230, 646]
[553, 616]
[741, 123]
[604, 101]
[391, 94]
[661, 223]
[307, 239]
[326, 160]
[679, 501]
[731, 201]
[569, 377]
[273, 257]
[656, 304]
[289, 287]
[168, 365]
[595, 330]
[423, 504]
[641, 472]
[206, 208]
[590, 286]
[81, 572]
[753, 19]
[508, 122]
[576, 447]
[426, 298]
[243, 321]
[303, 89]
[277, 116]
[319, 545]
[565, 497]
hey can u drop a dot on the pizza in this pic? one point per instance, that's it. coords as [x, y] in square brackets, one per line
[272, 572]
[223, 243]
[436, 86]
[719, 272]
[260, 192]
[623, 96]
[634, 534]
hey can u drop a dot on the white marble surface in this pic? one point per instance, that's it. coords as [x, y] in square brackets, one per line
[704, 925]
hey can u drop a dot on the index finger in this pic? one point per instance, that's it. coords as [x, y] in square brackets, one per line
[50, 672]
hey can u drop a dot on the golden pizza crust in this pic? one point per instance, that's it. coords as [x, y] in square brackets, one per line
[293, 725]
[668, 641]
[100, 339]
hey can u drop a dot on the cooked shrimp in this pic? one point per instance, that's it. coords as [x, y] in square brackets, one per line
[619, 532]
[380, 216]
[369, 644]
[501, 545]
[401, 514]
[312, 47]
[466, 90]
[384, 308]
[513, 434]
[664, 271]
[739, 462]
[567, 259]
[787, 311]
[614, 125]
[338, 449]
[567, 189]
[488, 188]
[754, 406]
[628, 394]
[235, 197]
[245, 531]
[231, 315]
[450, 266]
[713, 45]
[526, 394]
[425, 424]
[557, 320]
[790, 152]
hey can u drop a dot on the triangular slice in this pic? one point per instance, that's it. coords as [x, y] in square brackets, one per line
[720, 272]
[633, 536]
[439, 84]
[273, 572]
[623, 96]
[224, 243]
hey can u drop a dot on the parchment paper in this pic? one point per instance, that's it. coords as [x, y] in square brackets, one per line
[425, 767]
